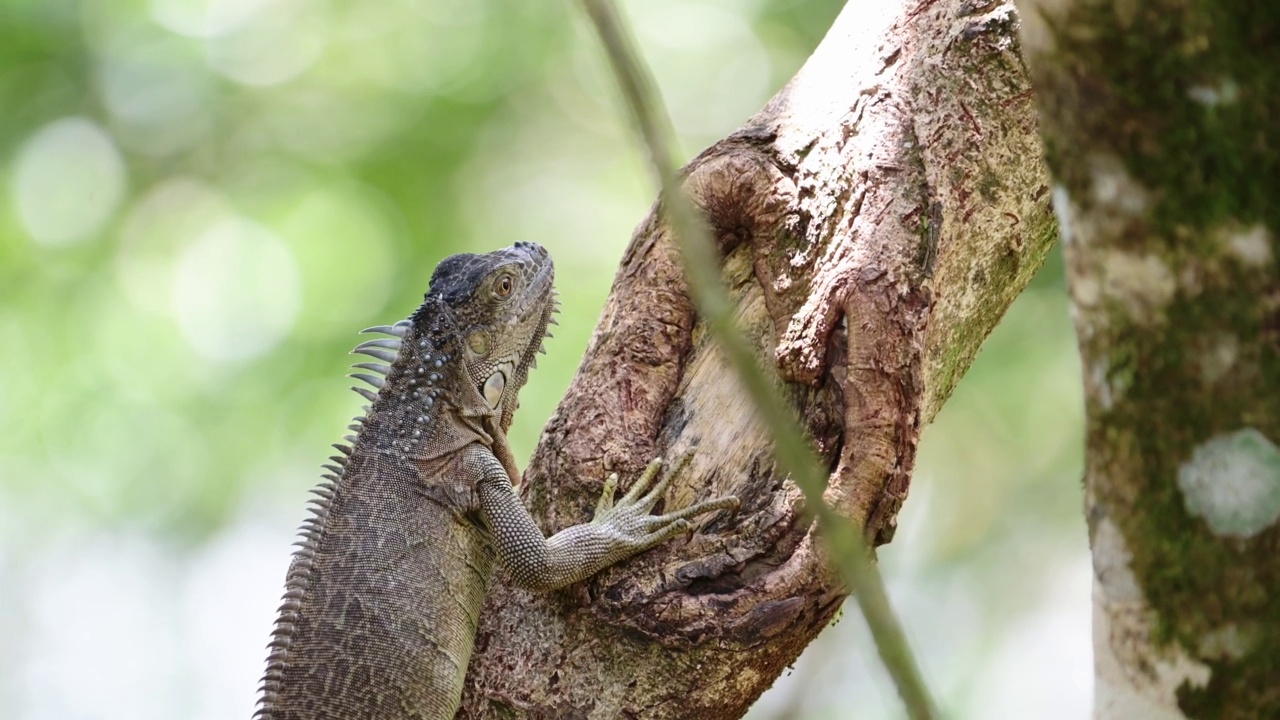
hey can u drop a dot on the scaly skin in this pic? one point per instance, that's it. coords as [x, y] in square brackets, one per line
[383, 596]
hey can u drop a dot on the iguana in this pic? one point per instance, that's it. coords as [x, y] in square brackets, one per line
[383, 595]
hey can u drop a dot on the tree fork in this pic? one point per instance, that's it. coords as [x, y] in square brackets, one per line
[875, 220]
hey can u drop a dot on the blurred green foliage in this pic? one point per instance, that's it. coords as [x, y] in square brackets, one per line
[204, 200]
[209, 197]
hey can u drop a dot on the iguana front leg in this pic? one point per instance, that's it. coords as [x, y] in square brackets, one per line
[615, 533]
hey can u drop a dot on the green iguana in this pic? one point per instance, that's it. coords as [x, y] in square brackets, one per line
[383, 596]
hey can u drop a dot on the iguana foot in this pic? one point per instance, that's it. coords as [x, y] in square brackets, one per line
[630, 520]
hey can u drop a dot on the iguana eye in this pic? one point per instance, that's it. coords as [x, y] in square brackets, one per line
[504, 286]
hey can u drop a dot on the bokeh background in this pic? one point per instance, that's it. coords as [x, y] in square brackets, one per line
[201, 201]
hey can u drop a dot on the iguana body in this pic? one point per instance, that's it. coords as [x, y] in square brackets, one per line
[383, 597]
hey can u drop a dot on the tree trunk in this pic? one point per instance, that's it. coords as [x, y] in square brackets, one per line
[1160, 124]
[875, 218]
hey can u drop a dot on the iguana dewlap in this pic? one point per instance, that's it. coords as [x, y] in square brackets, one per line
[383, 596]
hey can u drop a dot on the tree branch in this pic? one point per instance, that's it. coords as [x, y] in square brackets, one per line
[874, 220]
[791, 448]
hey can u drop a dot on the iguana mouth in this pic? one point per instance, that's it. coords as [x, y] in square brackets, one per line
[541, 291]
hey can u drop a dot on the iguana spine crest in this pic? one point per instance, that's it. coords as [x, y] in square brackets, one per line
[299, 577]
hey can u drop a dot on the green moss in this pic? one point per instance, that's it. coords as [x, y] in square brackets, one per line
[1196, 581]
[1184, 94]
[956, 359]
[1232, 679]
[1199, 86]
[967, 338]
[930, 232]
[988, 185]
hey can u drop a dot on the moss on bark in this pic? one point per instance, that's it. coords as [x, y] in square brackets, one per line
[1183, 98]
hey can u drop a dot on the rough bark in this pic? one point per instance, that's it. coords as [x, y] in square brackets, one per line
[1161, 132]
[875, 219]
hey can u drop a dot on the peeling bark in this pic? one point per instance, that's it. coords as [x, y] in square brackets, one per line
[1160, 130]
[875, 220]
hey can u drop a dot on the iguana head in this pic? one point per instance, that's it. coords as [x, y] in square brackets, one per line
[501, 303]
[467, 351]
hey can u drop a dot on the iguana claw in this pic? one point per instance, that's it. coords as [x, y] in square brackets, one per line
[630, 517]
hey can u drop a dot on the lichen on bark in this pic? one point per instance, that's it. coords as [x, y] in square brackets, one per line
[1159, 126]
